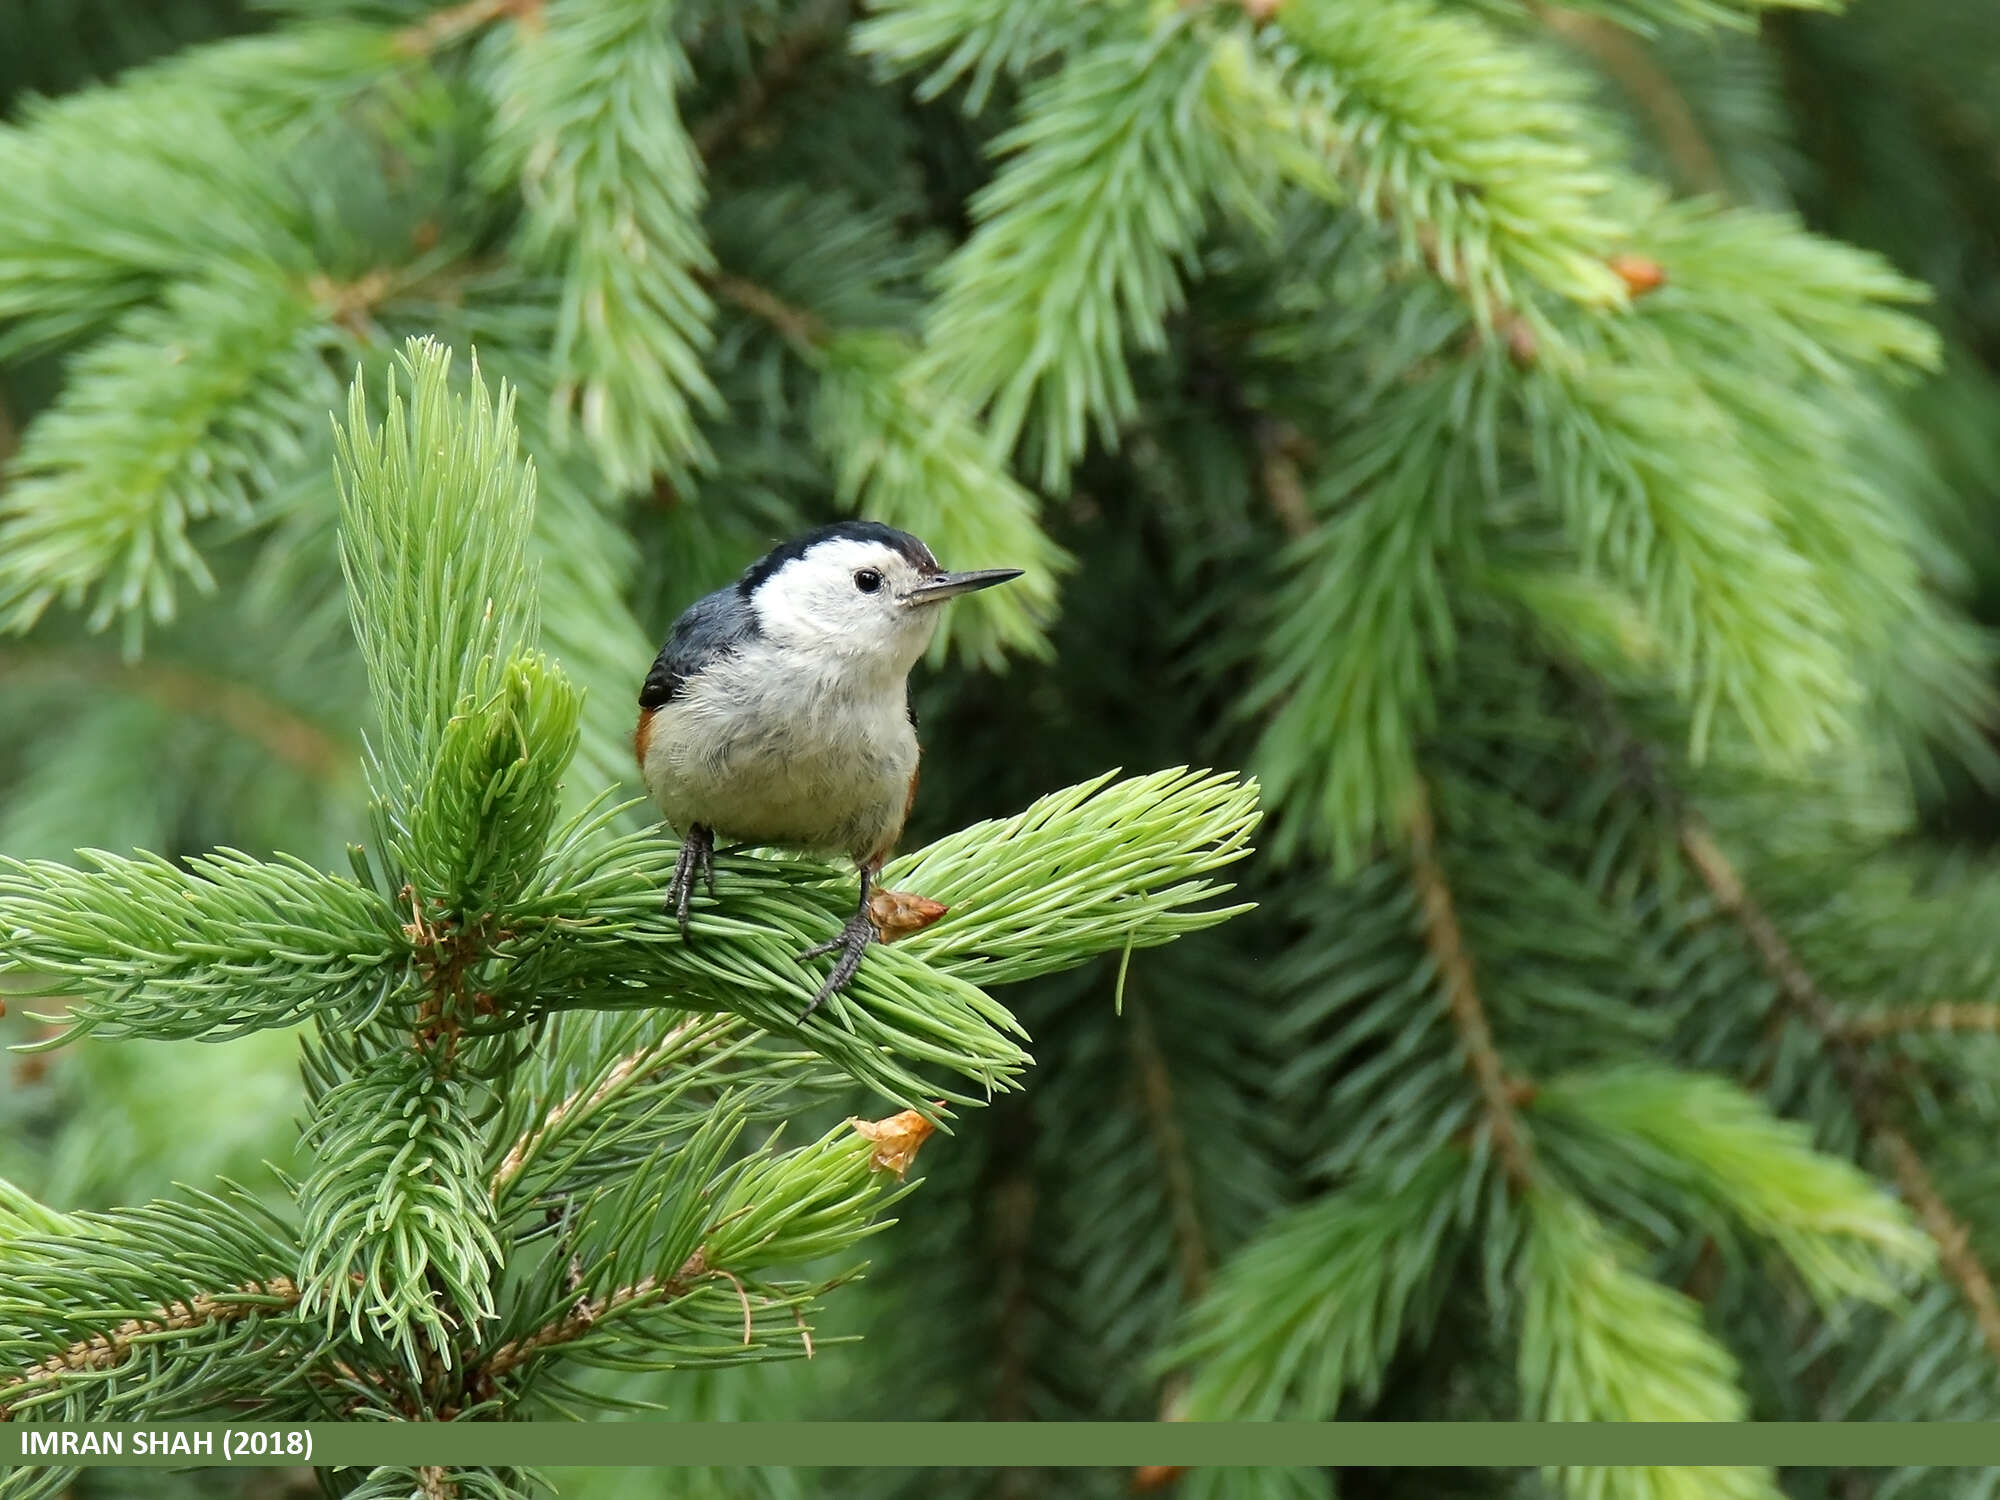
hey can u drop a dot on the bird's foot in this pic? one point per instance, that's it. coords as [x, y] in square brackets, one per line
[850, 945]
[697, 860]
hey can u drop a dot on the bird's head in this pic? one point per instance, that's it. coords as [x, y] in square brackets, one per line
[858, 592]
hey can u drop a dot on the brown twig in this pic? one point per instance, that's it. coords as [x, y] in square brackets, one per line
[1626, 62]
[585, 1316]
[1156, 1092]
[104, 1351]
[1800, 994]
[1191, 1253]
[1278, 452]
[1943, 1015]
[1279, 447]
[1446, 941]
[722, 132]
[455, 22]
[446, 948]
[1858, 1073]
[803, 328]
[286, 734]
[351, 303]
[615, 1078]
[1013, 1201]
[1954, 1240]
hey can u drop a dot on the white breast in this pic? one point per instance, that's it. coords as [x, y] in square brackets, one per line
[762, 751]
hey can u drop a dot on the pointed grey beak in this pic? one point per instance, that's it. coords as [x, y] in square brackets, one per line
[950, 585]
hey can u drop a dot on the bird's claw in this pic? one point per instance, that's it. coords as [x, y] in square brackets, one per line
[852, 942]
[697, 858]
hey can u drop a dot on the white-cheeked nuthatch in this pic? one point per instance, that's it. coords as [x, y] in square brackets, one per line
[778, 712]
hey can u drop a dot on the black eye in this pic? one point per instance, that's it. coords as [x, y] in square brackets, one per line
[867, 580]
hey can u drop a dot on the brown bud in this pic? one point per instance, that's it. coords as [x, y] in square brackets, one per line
[1522, 345]
[897, 914]
[1149, 1477]
[896, 1139]
[1639, 274]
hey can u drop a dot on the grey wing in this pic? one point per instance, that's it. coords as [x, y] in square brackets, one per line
[712, 627]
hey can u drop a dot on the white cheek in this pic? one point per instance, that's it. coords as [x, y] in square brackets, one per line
[801, 615]
[837, 621]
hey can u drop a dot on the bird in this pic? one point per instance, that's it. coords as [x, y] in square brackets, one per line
[778, 712]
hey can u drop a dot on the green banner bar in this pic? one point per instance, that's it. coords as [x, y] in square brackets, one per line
[1011, 1445]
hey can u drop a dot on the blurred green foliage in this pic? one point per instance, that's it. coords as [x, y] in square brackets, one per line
[1557, 448]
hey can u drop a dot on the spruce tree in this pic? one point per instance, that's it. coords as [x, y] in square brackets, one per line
[527, 1096]
[1436, 407]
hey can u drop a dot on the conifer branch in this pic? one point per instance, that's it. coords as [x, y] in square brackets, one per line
[1083, 241]
[1846, 1236]
[803, 329]
[1013, 886]
[218, 947]
[1421, 148]
[401, 1238]
[1857, 1071]
[184, 414]
[1602, 1341]
[780, 1208]
[587, 1314]
[1942, 1015]
[1278, 474]
[1011, 1207]
[577, 1107]
[817, 24]
[1624, 58]
[106, 1351]
[587, 124]
[1192, 1260]
[287, 734]
[22, 1214]
[1861, 1080]
[1446, 942]
[1313, 1309]
[453, 23]
[975, 42]
[1156, 1091]
[1278, 450]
